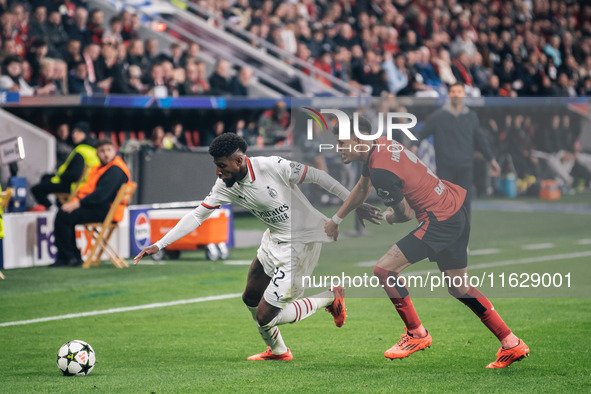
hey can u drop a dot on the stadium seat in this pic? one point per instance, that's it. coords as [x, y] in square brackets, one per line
[101, 232]
[4, 200]
[67, 197]
[122, 137]
[141, 136]
[189, 139]
[196, 138]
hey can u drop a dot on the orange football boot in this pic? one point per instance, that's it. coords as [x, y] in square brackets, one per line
[506, 357]
[337, 308]
[408, 345]
[268, 355]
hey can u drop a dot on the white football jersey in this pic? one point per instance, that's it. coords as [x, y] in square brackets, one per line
[270, 192]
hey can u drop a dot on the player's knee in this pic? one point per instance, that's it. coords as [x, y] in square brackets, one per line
[250, 299]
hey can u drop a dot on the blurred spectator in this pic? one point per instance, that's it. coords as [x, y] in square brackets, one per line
[70, 171]
[115, 29]
[90, 55]
[176, 55]
[241, 81]
[157, 137]
[56, 32]
[218, 80]
[208, 135]
[60, 76]
[38, 25]
[424, 67]
[177, 137]
[95, 25]
[78, 82]
[45, 82]
[72, 53]
[461, 69]
[78, 29]
[63, 144]
[396, 71]
[155, 81]
[151, 53]
[13, 80]
[135, 54]
[492, 87]
[191, 54]
[273, 125]
[131, 83]
[36, 54]
[195, 82]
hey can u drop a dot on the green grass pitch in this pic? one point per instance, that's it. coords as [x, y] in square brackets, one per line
[202, 347]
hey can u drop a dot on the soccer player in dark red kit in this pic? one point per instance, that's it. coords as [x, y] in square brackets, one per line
[407, 186]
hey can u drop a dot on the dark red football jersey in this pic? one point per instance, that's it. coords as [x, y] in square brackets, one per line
[396, 172]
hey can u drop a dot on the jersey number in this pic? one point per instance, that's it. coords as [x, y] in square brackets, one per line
[278, 275]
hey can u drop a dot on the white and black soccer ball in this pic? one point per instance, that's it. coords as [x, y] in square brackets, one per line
[76, 358]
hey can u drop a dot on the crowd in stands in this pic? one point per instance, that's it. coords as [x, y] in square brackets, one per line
[418, 47]
[384, 47]
[60, 47]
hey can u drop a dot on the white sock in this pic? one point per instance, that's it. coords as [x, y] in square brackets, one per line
[271, 335]
[302, 308]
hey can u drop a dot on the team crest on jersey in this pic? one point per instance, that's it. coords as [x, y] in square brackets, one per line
[272, 192]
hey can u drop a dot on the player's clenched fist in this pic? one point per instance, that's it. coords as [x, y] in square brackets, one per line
[147, 251]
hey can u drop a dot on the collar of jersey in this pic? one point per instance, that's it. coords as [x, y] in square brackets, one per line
[250, 176]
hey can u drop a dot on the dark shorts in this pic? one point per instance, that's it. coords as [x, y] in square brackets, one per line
[444, 242]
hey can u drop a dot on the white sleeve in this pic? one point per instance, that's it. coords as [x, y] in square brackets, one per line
[193, 219]
[188, 223]
[328, 183]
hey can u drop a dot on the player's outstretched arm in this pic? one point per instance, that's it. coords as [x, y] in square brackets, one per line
[357, 197]
[188, 223]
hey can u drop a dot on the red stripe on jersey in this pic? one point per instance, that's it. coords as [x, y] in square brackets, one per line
[209, 206]
[303, 175]
[250, 169]
[420, 232]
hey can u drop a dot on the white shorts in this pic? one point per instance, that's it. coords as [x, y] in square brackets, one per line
[286, 263]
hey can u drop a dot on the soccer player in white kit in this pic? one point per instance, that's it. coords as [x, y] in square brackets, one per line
[290, 248]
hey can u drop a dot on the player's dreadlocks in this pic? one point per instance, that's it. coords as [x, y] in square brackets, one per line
[226, 144]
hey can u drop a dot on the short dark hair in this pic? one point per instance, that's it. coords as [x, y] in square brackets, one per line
[102, 142]
[226, 144]
[363, 125]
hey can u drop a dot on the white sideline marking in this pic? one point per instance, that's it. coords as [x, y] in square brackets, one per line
[584, 241]
[238, 262]
[503, 263]
[482, 252]
[537, 246]
[227, 296]
[117, 310]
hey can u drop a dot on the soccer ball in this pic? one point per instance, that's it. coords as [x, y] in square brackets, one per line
[76, 358]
